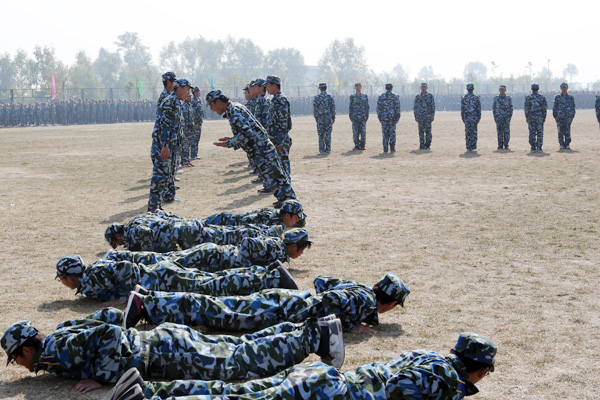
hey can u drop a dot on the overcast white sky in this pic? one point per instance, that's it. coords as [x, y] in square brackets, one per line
[443, 34]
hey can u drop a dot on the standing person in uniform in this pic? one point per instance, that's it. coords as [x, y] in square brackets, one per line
[324, 113]
[168, 78]
[388, 112]
[424, 110]
[359, 114]
[167, 129]
[414, 375]
[563, 112]
[280, 122]
[96, 349]
[597, 107]
[249, 135]
[503, 111]
[198, 111]
[536, 108]
[470, 112]
[188, 131]
[261, 113]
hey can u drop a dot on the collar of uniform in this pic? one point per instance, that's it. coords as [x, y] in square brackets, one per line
[458, 365]
[229, 111]
[36, 360]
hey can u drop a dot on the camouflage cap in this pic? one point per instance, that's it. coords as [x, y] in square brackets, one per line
[70, 264]
[358, 84]
[258, 82]
[16, 335]
[470, 86]
[196, 89]
[476, 348]
[393, 286]
[322, 86]
[293, 207]
[535, 86]
[213, 95]
[564, 84]
[273, 79]
[389, 86]
[296, 235]
[181, 83]
[110, 233]
[168, 76]
[424, 84]
[502, 87]
[247, 88]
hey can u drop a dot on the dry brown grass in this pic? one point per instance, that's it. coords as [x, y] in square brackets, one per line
[504, 244]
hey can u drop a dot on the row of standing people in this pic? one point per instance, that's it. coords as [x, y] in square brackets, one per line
[389, 112]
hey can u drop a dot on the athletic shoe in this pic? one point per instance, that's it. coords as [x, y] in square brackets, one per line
[179, 172]
[362, 148]
[197, 158]
[134, 311]
[332, 329]
[134, 393]
[567, 147]
[255, 172]
[128, 380]
[278, 204]
[177, 179]
[141, 290]
[285, 279]
[256, 181]
[189, 165]
[356, 148]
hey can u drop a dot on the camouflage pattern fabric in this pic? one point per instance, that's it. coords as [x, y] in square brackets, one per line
[536, 108]
[151, 232]
[424, 109]
[261, 111]
[388, 113]
[324, 113]
[198, 110]
[163, 95]
[251, 105]
[249, 135]
[98, 347]
[470, 112]
[264, 216]
[502, 110]
[597, 107]
[107, 279]
[419, 374]
[168, 128]
[193, 232]
[359, 114]
[563, 111]
[353, 303]
[188, 126]
[279, 125]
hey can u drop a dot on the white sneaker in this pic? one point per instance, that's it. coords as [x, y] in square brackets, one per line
[179, 172]
[197, 158]
[337, 352]
[176, 179]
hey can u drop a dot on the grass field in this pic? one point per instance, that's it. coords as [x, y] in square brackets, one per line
[503, 243]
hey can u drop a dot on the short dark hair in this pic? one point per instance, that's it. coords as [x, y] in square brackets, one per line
[470, 364]
[382, 297]
[303, 245]
[223, 98]
[36, 342]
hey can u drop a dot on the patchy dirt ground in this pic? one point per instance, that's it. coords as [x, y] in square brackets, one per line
[504, 243]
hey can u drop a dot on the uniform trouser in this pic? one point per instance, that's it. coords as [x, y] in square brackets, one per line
[564, 131]
[388, 129]
[359, 133]
[471, 134]
[194, 233]
[169, 277]
[503, 131]
[424, 132]
[185, 148]
[175, 162]
[179, 352]
[195, 142]
[536, 133]
[284, 157]
[233, 313]
[314, 380]
[159, 182]
[324, 128]
[207, 257]
[272, 173]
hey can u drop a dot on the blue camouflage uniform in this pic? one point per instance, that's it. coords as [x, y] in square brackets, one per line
[536, 108]
[261, 111]
[503, 111]
[198, 111]
[563, 112]
[167, 130]
[249, 135]
[251, 105]
[324, 113]
[279, 126]
[424, 109]
[388, 112]
[263, 216]
[108, 279]
[470, 112]
[418, 374]
[351, 302]
[359, 114]
[188, 126]
[98, 347]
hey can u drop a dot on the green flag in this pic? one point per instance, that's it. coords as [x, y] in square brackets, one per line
[139, 85]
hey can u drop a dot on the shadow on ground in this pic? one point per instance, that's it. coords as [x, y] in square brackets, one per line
[136, 188]
[125, 215]
[236, 190]
[382, 156]
[80, 304]
[135, 199]
[469, 154]
[246, 201]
